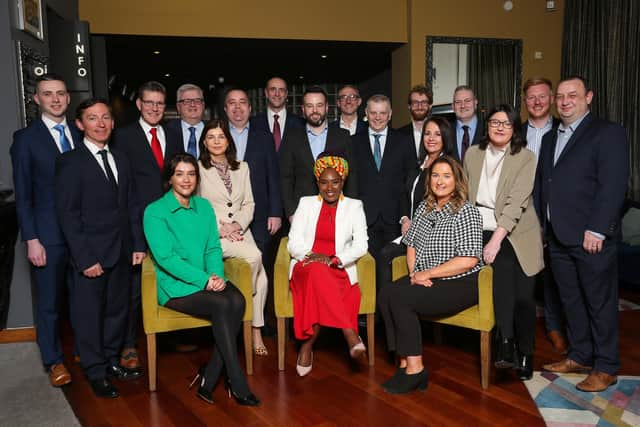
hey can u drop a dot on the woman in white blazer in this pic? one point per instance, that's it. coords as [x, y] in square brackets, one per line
[225, 182]
[328, 234]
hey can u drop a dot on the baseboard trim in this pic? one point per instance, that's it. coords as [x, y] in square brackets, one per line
[17, 335]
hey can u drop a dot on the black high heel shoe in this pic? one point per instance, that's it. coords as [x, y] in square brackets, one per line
[248, 400]
[408, 382]
[505, 354]
[202, 393]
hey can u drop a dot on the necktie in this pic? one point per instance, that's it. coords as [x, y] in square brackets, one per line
[377, 154]
[64, 142]
[156, 148]
[191, 148]
[110, 176]
[465, 141]
[277, 138]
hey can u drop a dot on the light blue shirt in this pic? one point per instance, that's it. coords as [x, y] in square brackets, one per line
[383, 140]
[240, 138]
[317, 142]
[473, 124]
[534, 135]
[564, 135]
[186, 134]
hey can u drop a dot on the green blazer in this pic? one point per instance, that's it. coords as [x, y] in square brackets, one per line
[514, 209]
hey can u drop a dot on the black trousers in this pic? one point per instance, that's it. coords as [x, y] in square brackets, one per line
[514, 302]
[135, 304]
[380, 233]
[225, 310]
[101, 305]
[401, 303]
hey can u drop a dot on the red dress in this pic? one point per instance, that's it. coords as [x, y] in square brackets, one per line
[321, 294]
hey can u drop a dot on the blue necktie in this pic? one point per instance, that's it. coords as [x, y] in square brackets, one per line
[191, 148]
[377, 154]
[64, 142]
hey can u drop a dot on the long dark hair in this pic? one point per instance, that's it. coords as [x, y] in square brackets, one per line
[446, 133]
[517, 142]
[230, 152]
[170, 168]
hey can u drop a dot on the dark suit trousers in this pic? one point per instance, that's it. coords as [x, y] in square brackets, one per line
[101, 304]
[135, 301]
[513, 297]
[588, 287]
[553, 314]
[51, 281]
[380, 233]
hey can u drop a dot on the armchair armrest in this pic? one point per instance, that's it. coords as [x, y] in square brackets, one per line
[238, 271]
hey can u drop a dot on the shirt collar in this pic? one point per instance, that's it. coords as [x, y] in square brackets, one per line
[236, 130]
[573, 126]
[50, 123]
[281, 114]
[172, 203]
[472, 124]
[146, 127]
[548, 124]
[93, 148]
[496, 150]
[323, 131]
[383, 132]
[186, 125]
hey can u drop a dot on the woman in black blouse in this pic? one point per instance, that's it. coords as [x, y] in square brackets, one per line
[444, 249]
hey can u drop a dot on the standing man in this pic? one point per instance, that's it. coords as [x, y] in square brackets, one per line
[385, 159]
[580, 188]
[303, 145]
[538, 96]
[188, 128]
[33, 153]
[420, 100]
[348, 102]
[148, 145]
[276, 120]
[469, 129]
[101, 221]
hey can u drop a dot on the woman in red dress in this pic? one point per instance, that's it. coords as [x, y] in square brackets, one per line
[328, 234]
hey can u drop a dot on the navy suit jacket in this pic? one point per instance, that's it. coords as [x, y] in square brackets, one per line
[476, 138]
[384, 193]
[132, 141]
[175, 126]
[361, 125]
[585, 189]
[421, 153]
[99, 224]
[33, 154]
[261, 122]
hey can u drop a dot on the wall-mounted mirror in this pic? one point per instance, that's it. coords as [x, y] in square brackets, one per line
[492, 67]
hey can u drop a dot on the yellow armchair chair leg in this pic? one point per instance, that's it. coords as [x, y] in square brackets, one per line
[371, 337]
[485, 358]
[151, 361]
[248, 345]
[282, 336]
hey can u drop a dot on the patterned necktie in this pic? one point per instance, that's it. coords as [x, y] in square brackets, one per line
[277, 137]
[64, 142]
[377, 153]
[110, 176]
[465, 141]
[191, 148]
[156, 148]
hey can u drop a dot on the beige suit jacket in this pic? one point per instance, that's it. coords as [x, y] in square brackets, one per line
[514, 209]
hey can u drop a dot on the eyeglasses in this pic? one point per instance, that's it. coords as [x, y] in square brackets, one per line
[419, 103]
[156, 104]
[532, 99]
[350, 97]
[191, 101]
[496, 124]
[463, 101]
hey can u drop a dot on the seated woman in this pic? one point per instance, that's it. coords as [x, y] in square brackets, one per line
[183, 238]
[225, 182]
[328, 235]
[501, 175]
[444, 249]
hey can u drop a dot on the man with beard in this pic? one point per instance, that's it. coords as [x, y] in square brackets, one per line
[420, 101]
[302, 146]
[349, 101]
[469, 129]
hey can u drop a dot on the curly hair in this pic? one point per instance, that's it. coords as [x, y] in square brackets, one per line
[460, 193]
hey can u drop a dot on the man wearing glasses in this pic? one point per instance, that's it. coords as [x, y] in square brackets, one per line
[190, 106]
[419, 101]
[148, 145]
[469, 130]
[349, 101]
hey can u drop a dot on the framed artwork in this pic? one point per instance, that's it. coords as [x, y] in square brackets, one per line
[30, 17]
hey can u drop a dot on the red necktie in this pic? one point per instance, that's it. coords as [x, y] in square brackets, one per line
[277, 138]
[465, 141]
[156, 148]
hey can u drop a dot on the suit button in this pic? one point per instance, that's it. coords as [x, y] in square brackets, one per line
[229, 204]
[230, 215]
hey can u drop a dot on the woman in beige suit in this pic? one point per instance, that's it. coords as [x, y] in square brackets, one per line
[224, 181]
[501, 176]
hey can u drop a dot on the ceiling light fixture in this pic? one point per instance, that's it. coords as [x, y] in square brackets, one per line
[508, 5]
[323, 56]
[156, 52]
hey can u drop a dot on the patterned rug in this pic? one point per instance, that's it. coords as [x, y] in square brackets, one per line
[623, 305]
[562, 405]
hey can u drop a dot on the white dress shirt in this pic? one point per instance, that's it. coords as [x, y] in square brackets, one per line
[55, 134]
[93, 148]
[146, 127]
[282, 118]
[489, 177]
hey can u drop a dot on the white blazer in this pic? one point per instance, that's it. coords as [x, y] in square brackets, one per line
[351, 232]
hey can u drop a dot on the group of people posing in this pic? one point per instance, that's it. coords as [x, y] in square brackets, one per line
[451, 196]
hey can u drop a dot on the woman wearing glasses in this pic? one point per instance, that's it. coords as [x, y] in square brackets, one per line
[501, 176]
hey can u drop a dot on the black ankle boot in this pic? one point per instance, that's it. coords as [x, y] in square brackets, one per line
[524, 367]
[505, 353]
[408, 382]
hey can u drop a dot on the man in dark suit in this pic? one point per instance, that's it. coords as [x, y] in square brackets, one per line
[469, 128]
[276, 120]
[148, 145]
[349, 101]
[188, 128]
[302, 146]
[581, 183]
[385, 159]
[100, 218]
[255, 146]
[420, 100]
[33, 154]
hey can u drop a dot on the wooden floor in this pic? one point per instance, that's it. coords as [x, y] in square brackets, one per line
[337, 392]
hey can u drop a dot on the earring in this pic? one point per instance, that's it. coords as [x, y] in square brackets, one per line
[319, 198]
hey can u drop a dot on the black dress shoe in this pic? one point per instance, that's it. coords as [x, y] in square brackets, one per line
[104, 388]
[505, 354]
[408, 382]
[124, 374]
[524, 368]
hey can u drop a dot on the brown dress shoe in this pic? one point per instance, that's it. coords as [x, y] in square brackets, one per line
[58, 375]
[566, 366]
[558, 341]
[129, 358]
[597, 381]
